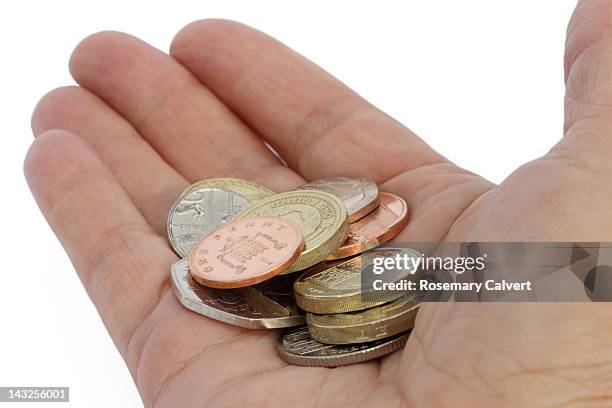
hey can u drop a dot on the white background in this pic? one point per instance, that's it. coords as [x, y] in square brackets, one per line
[481, 81]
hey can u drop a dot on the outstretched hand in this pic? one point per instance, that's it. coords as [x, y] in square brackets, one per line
[112, 154]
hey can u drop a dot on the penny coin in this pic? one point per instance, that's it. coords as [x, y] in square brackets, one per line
[339, 288]
[295, 346]
[359, 195]
[267, 305]
[321, 217]
[199, 211]
[363, 326]
[245, 252]
[378, 227]
[248, 189]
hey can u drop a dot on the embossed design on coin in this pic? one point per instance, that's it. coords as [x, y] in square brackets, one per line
[245, 252]
[321, 217]
[359, 195]
[248, 189]
[269, 304]
[199, 211]
[378, 227]
[338, 289]
[358, 327]
[295, 346]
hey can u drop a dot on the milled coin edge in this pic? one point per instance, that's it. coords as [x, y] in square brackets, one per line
[351, 301]
[348, 334]
[388, 347]
[310, 256]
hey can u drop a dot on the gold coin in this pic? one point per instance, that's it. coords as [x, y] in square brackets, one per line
[248, 189]
[363, 326]
[338, 289]
[321, 216]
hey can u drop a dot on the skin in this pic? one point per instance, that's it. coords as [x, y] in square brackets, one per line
[111, 155]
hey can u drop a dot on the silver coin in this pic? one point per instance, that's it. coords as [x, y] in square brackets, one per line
[295, 346]
[267, 305]
[359, 195]
[199, 211]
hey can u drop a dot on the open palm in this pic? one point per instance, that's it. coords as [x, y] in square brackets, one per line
[112, 155]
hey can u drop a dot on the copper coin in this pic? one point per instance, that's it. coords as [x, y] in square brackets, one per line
[245, 252]
[378, 227]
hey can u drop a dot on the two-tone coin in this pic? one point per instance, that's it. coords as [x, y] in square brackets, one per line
[248, 189]
[199, 211]
[245, 252]
[321, 217]
[295, 346]
[376, 228]
[367, 325]
[267, 305]
[359, 195]
[340, 288]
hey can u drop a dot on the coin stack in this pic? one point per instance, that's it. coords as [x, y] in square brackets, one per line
[242, 245]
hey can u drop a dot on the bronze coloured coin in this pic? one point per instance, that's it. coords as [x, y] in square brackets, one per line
[245, 252]
[376, 228]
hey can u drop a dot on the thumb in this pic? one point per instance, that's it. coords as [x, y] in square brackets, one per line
[588, 78]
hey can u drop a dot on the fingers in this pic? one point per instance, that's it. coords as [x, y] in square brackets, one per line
[150, 182]
[171, 109]
[319, 126]
[588, 67]
[322, 128]
[121, 261]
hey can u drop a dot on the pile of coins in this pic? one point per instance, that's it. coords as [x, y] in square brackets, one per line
[242, 245]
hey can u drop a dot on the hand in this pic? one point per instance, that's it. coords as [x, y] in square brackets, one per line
[111, 156]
